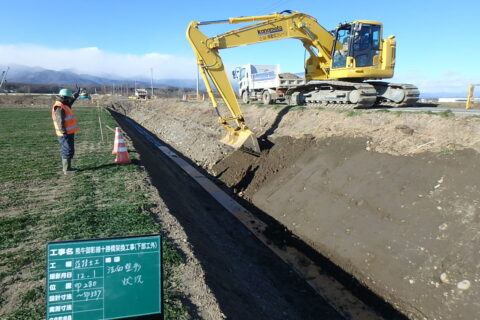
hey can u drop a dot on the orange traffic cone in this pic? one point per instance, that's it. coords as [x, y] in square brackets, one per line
[118, 138]
[120, 149]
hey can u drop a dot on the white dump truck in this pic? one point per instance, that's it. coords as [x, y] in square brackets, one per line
[264, 83]
[141, 93]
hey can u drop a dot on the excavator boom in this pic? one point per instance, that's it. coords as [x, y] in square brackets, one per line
[212, 68]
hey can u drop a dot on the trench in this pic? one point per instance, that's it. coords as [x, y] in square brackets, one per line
[248, 281]
[398, 233]
[321, 283]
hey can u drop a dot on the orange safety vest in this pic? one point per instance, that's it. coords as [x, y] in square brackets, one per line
[70, 122]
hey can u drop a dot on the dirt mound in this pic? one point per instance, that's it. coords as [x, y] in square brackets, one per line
[189, 127]
[287, 75]
[245, 173]
[12, 100]
[184, 124]
[36, 101]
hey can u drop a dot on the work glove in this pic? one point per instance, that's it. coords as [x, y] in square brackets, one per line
[77, 93]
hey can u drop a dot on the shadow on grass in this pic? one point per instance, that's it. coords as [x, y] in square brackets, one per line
[134, 162]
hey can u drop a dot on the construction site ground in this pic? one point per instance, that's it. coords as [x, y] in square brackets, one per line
[390, 197]
[386, 202]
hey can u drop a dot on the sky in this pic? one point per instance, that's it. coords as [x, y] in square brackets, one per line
[438, 42]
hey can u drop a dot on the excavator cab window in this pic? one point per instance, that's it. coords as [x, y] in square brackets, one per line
[342, 44]
[366, 43]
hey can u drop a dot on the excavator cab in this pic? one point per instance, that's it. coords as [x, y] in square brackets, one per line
[357, 45]
[360, 41]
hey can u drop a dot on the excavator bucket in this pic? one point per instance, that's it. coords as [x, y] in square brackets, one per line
[242, 139]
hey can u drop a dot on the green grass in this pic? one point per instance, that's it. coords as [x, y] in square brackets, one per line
[39, 204]
[446, 151]
[353, 113]
[298, 108]
[14, 230]
[349, 113]
[446, 114]
[275, 106]
[268, 106]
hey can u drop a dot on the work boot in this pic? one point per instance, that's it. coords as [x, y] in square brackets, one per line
[64, 166]
[69, 166]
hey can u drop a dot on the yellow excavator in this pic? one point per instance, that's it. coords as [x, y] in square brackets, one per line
[338, 72]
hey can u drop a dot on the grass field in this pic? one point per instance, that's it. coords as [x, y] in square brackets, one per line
[39, 204]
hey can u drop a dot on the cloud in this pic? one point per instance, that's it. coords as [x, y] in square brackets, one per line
[98, 62]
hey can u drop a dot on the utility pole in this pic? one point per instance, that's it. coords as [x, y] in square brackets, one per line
[4, 77]
[151, 80]
[198, 81]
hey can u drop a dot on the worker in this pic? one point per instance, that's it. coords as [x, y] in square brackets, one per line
[340, 56]
[65, 125]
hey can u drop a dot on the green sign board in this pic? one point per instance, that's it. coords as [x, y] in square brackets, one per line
[104, 279]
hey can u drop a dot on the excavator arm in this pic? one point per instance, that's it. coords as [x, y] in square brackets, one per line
[317, 41]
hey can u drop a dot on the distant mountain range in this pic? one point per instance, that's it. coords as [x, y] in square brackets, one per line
[37, 75]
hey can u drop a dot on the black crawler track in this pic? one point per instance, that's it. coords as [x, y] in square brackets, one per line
[368, 97]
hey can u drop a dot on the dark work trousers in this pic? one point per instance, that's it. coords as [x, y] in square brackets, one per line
[67, 145]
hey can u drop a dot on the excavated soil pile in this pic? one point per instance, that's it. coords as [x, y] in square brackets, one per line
[26, 100]
[392, 199]
[245, 173]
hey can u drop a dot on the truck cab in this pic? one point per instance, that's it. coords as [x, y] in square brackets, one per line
[254, 78]
[242, 75]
